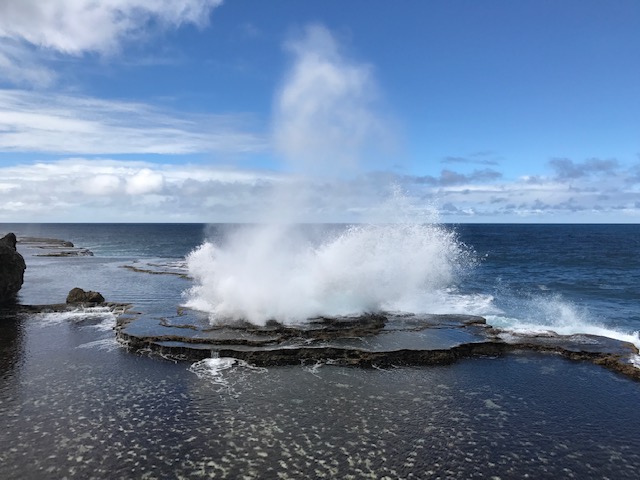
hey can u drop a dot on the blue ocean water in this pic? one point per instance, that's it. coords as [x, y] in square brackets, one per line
[567, 278]
[571, 278]
[73, 403]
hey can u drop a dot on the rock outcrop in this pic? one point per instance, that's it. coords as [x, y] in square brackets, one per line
[78, 295]
[12, 269]
[376, 339]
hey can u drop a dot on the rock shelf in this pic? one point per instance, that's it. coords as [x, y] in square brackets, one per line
[377, 339]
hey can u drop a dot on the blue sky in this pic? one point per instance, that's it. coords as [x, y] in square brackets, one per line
[203, 110]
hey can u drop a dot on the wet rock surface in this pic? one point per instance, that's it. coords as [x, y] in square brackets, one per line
[79, 296]
[369, 340]
[12, 267]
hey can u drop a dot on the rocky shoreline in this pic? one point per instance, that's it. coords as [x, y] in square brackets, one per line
[380, 339]
[373, 340]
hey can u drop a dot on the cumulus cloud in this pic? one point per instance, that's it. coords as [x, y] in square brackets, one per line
[80, 189]
[66, 124]
[325, 115]
[101, 185]
[78, 26]
[144, 182]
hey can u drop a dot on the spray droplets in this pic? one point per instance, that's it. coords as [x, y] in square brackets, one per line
[290, 273]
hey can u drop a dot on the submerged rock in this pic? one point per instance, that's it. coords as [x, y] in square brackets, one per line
[78, 295]
[12, 269]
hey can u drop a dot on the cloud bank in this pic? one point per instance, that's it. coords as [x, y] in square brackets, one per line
[94, 190]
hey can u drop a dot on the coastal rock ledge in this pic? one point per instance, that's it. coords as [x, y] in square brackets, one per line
[370, 340]
[12, 267]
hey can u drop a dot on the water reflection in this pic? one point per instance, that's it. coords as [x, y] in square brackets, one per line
[11, 342]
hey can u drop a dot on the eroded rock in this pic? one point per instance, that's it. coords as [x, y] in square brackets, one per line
[375, 339]
[12, 267]
[78, 295]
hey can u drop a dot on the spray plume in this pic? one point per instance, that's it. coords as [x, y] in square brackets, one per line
[325, 122]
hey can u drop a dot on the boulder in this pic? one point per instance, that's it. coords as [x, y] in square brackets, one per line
[78, 295]
[12, 269]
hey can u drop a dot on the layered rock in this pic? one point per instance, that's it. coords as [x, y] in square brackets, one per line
[12, 267]
[382, 340]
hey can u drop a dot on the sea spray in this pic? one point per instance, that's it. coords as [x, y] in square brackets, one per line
[536, 314]
[283, 272]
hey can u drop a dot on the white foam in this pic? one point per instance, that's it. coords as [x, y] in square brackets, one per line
[106, 344]
[275, 271]
[79, 315]
[535, 315]
[214, 369]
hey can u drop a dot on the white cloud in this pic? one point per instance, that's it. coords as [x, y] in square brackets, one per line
[55, 123]
[79, 26]
[79, 189]
[87, 190]
[324, 114]
[144, 182]
[35, 31]
[101, 185]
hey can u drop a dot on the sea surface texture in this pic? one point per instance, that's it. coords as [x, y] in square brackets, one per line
[76, 404]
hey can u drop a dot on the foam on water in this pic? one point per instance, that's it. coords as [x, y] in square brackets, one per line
[107, 344]
[104, 316]
[215, 369]
[539, 314]
[282, 272]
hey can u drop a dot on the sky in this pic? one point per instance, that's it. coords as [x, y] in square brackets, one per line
[203, 110]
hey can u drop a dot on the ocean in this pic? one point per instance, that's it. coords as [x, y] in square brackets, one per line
[76, 404]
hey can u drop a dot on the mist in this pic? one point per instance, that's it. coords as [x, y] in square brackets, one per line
[327, 123]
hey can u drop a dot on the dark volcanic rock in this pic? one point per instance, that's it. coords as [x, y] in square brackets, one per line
[12, 269]
[77, 295]
[368, 340]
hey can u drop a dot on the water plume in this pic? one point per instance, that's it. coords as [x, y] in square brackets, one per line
[291, 273]
[326, 121]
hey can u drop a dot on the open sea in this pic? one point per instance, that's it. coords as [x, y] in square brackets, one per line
[76, 404]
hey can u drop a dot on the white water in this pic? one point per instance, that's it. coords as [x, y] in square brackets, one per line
[214, 369]
[539, 314]
[278, 272]
[101, 318]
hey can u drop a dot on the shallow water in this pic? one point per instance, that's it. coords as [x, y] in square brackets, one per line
[103, 413]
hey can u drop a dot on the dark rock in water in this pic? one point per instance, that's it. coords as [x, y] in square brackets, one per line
[367, 340]
[49, 242]
[12, 269]
[53, 247]
[77, 295]
[79, 252]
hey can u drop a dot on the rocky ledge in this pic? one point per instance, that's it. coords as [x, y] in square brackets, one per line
[53, 247]
[369, 340]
